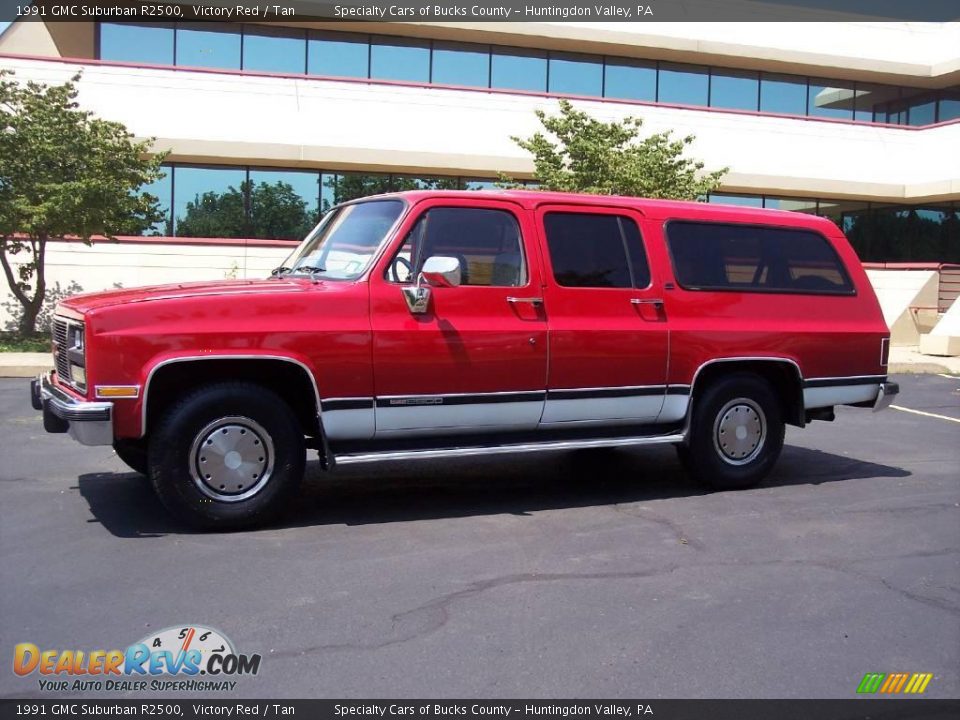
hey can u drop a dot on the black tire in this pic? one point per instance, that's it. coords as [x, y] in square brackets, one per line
[133, 453]
[267, 457]
[755, 441]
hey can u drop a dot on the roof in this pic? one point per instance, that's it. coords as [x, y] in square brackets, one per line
[654, 208]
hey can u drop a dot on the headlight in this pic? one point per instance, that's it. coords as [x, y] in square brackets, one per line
[78, 375]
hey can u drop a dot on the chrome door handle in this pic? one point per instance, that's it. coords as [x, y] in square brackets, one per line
[530, 300]
[656, 302]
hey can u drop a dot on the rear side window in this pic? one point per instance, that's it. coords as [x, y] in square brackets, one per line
[595, 251]
[715, 256]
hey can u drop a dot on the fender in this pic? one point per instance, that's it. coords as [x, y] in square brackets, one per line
[688, 414]
[225, 356]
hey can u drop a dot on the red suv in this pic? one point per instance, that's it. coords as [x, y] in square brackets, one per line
[435, 324]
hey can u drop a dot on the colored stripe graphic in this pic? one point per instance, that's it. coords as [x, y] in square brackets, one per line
[893, 683]
[918, 683]
[870, 683]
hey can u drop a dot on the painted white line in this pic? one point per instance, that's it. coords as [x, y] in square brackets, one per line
[926, 414]
[948, 377]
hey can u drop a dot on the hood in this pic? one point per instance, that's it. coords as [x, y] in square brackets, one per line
[89, 302]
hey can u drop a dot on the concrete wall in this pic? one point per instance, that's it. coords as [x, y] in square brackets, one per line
[147, 261]
[900, 290]
[944, 339]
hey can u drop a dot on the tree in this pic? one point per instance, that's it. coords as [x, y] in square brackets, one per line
[351, 186]
[590, 156]
[63, 173]
[276, 212]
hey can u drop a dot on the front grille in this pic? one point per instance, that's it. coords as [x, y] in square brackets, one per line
[60, 360]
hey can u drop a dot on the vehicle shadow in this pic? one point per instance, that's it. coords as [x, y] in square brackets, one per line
[125, 505]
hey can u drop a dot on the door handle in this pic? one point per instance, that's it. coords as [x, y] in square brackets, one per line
[656, 302]
[529, 300]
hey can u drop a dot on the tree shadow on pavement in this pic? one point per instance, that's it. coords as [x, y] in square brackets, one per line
[125, 505]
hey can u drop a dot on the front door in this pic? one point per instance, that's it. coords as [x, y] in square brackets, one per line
[608, 330]
[476, 360]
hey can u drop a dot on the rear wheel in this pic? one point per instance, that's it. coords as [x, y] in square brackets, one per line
[133, 453]
[736, 433]
[227, 456]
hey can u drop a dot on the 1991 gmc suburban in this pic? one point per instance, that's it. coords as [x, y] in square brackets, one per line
[432, 324]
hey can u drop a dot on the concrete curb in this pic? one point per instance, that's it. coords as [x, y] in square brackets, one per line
[923, 368]
[24, 365]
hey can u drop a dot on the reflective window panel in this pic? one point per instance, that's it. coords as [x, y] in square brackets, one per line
[735, 90]
[283, 203]
[949, 105]
[209, 202]
[576, 75]
[630, 80]
[683, 84]
[338, 55]
[742, 200]
[137, 43]
[457, 64]
[398, 59]
[210, 45]
[831, 99]
[519, 70]
[161, 189]
[269, 49]
[784, 94]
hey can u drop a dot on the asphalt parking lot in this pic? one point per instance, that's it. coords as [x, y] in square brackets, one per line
[555, 576]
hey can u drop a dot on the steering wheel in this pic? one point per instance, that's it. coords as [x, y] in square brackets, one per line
[394, 266]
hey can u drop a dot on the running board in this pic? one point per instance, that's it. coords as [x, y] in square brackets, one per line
[527, 447]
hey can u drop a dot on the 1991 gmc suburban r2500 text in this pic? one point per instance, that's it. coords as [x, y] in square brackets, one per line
[431, 323]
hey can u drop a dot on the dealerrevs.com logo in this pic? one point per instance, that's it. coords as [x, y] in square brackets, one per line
[183, 658]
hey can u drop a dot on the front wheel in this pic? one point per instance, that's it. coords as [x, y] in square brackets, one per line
[227, 456]
[736, 433]
[133, 453]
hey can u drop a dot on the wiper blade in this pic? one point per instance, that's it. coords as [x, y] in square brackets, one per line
[311, 269]
[283, 269]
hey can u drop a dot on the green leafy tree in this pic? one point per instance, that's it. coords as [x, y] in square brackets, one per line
[582, 154]
[352, 186]
[63, 173]
[276, 212]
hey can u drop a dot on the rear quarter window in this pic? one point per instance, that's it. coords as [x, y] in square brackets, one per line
[755, 258]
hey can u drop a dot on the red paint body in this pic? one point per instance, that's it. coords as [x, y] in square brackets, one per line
[359, 340]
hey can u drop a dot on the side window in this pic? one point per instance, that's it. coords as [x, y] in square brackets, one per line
[715, 256]
[599, 251]
[486, 242]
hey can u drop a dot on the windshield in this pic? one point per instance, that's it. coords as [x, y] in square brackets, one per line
[343, 243]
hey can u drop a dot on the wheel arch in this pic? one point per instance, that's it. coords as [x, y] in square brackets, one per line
[288, 377]
[783, 374]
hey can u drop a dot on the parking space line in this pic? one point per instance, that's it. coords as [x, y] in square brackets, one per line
[926, 414]
[948, 377]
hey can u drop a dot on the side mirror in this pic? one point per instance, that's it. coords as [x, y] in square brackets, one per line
[441, 271]
[438, 271]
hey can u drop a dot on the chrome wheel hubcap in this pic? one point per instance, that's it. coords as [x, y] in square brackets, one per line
[739, 431]
[231, 459]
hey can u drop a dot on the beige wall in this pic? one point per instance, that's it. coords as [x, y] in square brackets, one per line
[233, 118]
[104, 265]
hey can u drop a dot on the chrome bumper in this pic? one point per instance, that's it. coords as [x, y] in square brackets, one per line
[888, 391]
[89, 423]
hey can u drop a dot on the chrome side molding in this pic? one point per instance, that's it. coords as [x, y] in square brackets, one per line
[475, 450]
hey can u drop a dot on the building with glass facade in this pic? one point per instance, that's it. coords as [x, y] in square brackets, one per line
[267, 126]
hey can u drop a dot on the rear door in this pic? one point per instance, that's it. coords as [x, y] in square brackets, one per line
[607, 321]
